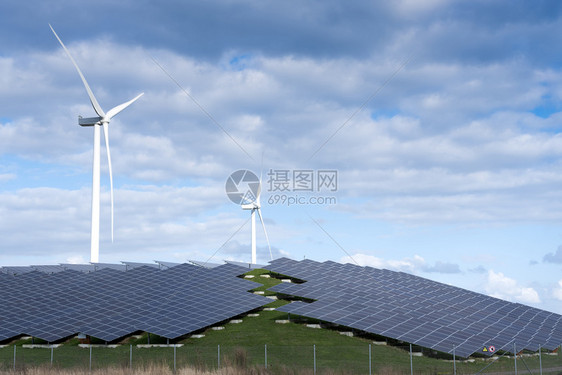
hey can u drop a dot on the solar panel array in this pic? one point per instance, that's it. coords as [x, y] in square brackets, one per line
[78, 267]
[413, 309]
[111, 303]
[249, 266]
[167, 264]
[18, 270]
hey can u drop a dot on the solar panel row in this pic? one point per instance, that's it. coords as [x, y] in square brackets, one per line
[125, 266]
[109, 303]
[414, 309]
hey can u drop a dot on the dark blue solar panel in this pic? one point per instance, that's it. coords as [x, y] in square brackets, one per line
[79, 267]
[166, 264]
[110, 303]
[132, 265]
[413, 309]
[204, 264]
[118, 267]
[12, 270]
[247, 266]
[48, 268]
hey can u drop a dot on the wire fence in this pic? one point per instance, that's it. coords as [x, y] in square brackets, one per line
[281, 359]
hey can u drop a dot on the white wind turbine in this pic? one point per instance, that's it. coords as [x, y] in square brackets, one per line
[256, 206]
[103, 119]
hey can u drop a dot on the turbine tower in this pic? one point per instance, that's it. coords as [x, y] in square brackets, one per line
[102, 120]
[255, 206]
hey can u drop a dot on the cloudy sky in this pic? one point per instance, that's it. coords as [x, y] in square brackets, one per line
[430, 131]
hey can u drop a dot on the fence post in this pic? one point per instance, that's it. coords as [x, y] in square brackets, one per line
[370, 371]
[454, 361]
[174, 359]
[266, 356]
[515, 358]
[219, 356]
[540, 360]
[90, 357]
[52, 350]
[411, 362]
[314, 348]
[14, 357]
[131, 356]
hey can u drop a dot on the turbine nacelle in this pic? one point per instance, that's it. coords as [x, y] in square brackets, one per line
[251, 206]
[89, 121]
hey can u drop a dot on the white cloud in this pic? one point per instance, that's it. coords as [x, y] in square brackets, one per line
[500, 286]
[149, 219]
[411, 265]
[407, 265]
[555, 257]
[557, 291]
[443, 267]
[478, 269]
[76, 259]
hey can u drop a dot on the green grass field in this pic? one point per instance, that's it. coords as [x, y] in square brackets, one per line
[289, 346]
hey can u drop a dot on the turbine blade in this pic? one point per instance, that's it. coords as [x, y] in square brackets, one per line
[261, 166]
[115, 110]
[264, 231]
[261, 174]
[106, 136]
[93, 100]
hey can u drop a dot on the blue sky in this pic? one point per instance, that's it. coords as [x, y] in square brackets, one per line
[452, 171]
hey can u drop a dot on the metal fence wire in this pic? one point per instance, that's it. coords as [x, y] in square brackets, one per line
[271, 358]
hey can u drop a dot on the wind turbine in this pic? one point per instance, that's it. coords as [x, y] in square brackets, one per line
[255, 206]
[102, 120]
